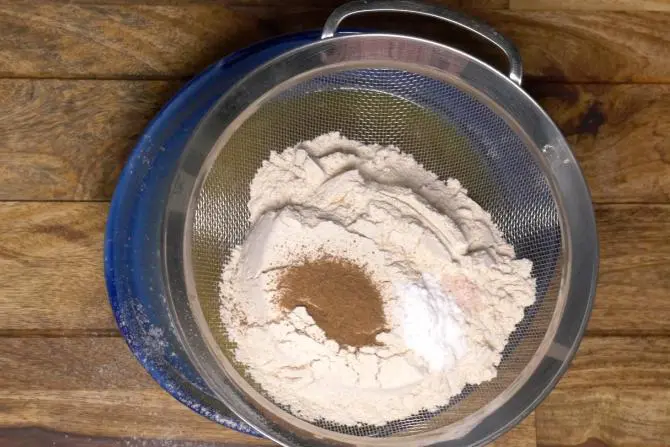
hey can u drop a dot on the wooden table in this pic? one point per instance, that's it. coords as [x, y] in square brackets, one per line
[80, 79]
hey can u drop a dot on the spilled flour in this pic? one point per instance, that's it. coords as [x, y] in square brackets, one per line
[451, 288]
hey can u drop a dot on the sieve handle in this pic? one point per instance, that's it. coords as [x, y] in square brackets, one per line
[438, 12]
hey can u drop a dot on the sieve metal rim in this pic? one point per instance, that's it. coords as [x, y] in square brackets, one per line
[567, 177]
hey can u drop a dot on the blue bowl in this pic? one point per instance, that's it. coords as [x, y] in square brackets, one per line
[133, 269]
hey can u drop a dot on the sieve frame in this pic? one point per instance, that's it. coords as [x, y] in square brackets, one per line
[491, 87]
[480, 29]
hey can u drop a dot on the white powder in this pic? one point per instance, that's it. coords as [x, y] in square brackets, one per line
[432, 323]
[451, 287]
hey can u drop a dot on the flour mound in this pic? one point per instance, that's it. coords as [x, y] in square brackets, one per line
[451, 286]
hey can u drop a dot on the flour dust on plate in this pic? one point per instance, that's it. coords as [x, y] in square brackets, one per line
[368, 290]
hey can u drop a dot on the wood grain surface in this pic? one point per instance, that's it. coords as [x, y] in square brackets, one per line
[591, 5]
[51, 264]
[330, 4]
[62, 40]
[615, 391]
[79, 80]
[45, 39]
[618, 136]
[70, 385]
[68, 140]
[634, 277]
[582, 46]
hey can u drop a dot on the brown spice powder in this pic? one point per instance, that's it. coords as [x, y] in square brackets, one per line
[339, 295]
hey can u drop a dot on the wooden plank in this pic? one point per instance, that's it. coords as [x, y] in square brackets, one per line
[51, 263]
[583, 46]
[31, 437]
[462, 4]
[615, 393]
[634, 278]
[106, 40]
[68, 140]
[138, 414]
[619, 135]
[57, 248]
[63, 40]
[593, 5]
[69, 385]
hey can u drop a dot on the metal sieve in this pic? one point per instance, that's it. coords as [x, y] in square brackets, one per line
[459, 118]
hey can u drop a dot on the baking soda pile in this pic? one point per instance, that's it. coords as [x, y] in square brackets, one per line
[451, 288]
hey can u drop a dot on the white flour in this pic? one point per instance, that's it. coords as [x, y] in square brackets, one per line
[452, 290]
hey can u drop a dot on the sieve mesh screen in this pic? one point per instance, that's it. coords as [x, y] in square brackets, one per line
[452, 134]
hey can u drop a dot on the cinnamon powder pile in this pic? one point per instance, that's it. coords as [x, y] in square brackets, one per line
[339, 295]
